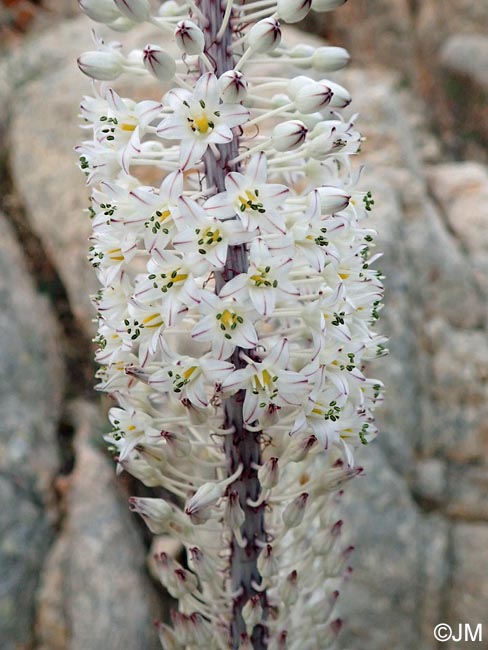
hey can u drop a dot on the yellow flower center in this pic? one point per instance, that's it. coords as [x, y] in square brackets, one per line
[228, 318]
[202, 123]
[128, 127]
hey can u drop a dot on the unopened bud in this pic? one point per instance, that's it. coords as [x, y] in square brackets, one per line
[252, 612]
[301, 51]
[267, 563]
[233, 86]
[168, 638]
[332, 199]
[166, 567]
[183, 583]
[326, 541]
[189, 37]
[245, 642]
[326, 5]
[101, 11]
[293, 11]
[234, 515]
[299, 447]
[330, 59]
[136, 10]
[288, 135]
[269, 473]
[294, 511]
[340, 96]
[201, 564]
[101, 65]
[198, 507]
[159, 63]
[177, 445]
[169, 8]
[289, 591]
[265, 35]
[312, 97]
[157, 513]
[280, 641]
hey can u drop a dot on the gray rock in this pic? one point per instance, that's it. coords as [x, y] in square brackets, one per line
[399, 563]
[469, 593]
[95, 591]
[467, 55]
[31, 385]
[461, 190]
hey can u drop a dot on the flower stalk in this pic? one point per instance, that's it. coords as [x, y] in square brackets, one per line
[236, 311]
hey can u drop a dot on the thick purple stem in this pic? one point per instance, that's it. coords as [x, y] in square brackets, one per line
[242, 446]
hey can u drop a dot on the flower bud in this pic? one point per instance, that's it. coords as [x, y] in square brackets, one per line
[294, 511]
[169, 8]
[233, 87]
[177, 445]
[267, 563]
[301, 51]
[252, 612]
[289, 590]
[245, 642]
[101, 11]
[183, 583]
[234, 515]
[189, 37]
[296, 84]
[159, 63]
[101, 65]
[340, 97]
[326, 5]
[201, 564]
[280, 641]
[122, 24]
[198, 507]
[299, 447]
[269, 474]
[288, 135]
[168, 638]
[136, 10]
[157, 513]
[326, 540]
[166, 567]
[330, 59]
[312, 97]
[265, 35]
[293, 11]
[332, 199]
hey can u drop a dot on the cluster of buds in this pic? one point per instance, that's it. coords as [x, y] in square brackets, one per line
[236, 309]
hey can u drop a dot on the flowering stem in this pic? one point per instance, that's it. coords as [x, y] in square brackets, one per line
[242, 447]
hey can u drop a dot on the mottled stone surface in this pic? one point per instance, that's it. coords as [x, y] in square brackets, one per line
[467, 55]
[95, 592]
[395, 590]
[31, 383]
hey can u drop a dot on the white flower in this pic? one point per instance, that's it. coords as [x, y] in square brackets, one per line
[251, 198]
[265, 282]
[269, 387]
[190, 378]
[226, 323]
[200, 119]
[206, 238]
